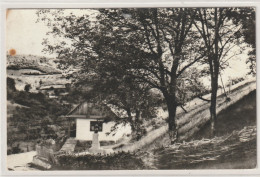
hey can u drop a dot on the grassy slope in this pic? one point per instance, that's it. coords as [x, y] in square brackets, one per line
[39, 63]
[45, 68]
[191, 122]
[235, 117]
[12, 106]
[234, 146]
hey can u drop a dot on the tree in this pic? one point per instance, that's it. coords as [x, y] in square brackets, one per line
[246, 17]
[27, 87]
[194, 87]
[150, 46]
[11, 84]
[219, 36]
[11, 90]
[136, 100]
[56, 92]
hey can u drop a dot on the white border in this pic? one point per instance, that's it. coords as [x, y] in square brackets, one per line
[5, 4]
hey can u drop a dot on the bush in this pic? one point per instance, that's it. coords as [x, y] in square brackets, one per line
[237, 80]
[106, 143]
[11, 84]
[35, 120]
[27, 87]
[82, 146]
[118, 161]
[14, 150]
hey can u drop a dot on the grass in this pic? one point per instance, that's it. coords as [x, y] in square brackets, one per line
[235, 117]
[195, 119]
[233, 147]
[12, 106]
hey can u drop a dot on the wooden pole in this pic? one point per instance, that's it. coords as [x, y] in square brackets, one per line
[69, 128]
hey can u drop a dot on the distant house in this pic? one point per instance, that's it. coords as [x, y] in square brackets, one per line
[86, 116]
[53, 91]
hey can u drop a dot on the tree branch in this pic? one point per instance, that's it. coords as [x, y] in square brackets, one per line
[204, 99]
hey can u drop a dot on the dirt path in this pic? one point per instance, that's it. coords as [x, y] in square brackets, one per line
[19, 162]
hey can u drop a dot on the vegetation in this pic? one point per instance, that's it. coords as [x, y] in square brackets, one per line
[141, 56]
[30, 62]
[27, 87]
[139, 61]
[37, 118]
[118, 161]
[246, 17]
[219, 36]
[139, 50]
[10, 84]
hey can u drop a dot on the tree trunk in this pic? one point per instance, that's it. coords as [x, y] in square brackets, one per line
[172, 107]
[138, 116]
[213, 105]
[69, 128]
[214, 91]
[214, 76]
[137, 119]
[132, 122]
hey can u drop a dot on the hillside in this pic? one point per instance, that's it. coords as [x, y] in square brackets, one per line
[232, 147]
[42, 64]
[191, 122]
[12, 106]
[34, 70]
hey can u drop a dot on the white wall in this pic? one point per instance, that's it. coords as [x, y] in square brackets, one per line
[83, 131]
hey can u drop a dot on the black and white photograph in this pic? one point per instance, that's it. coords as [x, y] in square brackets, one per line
[158, 88]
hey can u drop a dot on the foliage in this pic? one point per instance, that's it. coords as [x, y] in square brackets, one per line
[235, 81]
[11, 84]
[117, 161]
[27, 87]
[249, 32]
[136, 100]
[34, 121]
[125, 52]
[78, 94]
[220, 35]
[10, 88]
[246, 18]
[151, 46]
[193, 85]
[14, 150]
[30, 62]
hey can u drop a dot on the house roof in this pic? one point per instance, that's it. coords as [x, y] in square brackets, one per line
[48, 87]
[89, 110]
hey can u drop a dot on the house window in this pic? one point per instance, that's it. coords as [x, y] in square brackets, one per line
[94, 124]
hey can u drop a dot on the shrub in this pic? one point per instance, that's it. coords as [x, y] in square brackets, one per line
[11, 84]
[116, 161]
[27, 87]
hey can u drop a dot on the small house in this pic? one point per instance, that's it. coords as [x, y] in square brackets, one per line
[86, 116]
[53, 91]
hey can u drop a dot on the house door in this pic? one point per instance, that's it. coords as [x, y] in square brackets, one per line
[73, 130]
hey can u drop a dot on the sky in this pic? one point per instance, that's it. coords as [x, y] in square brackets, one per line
[25, 36]
[23, 33]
